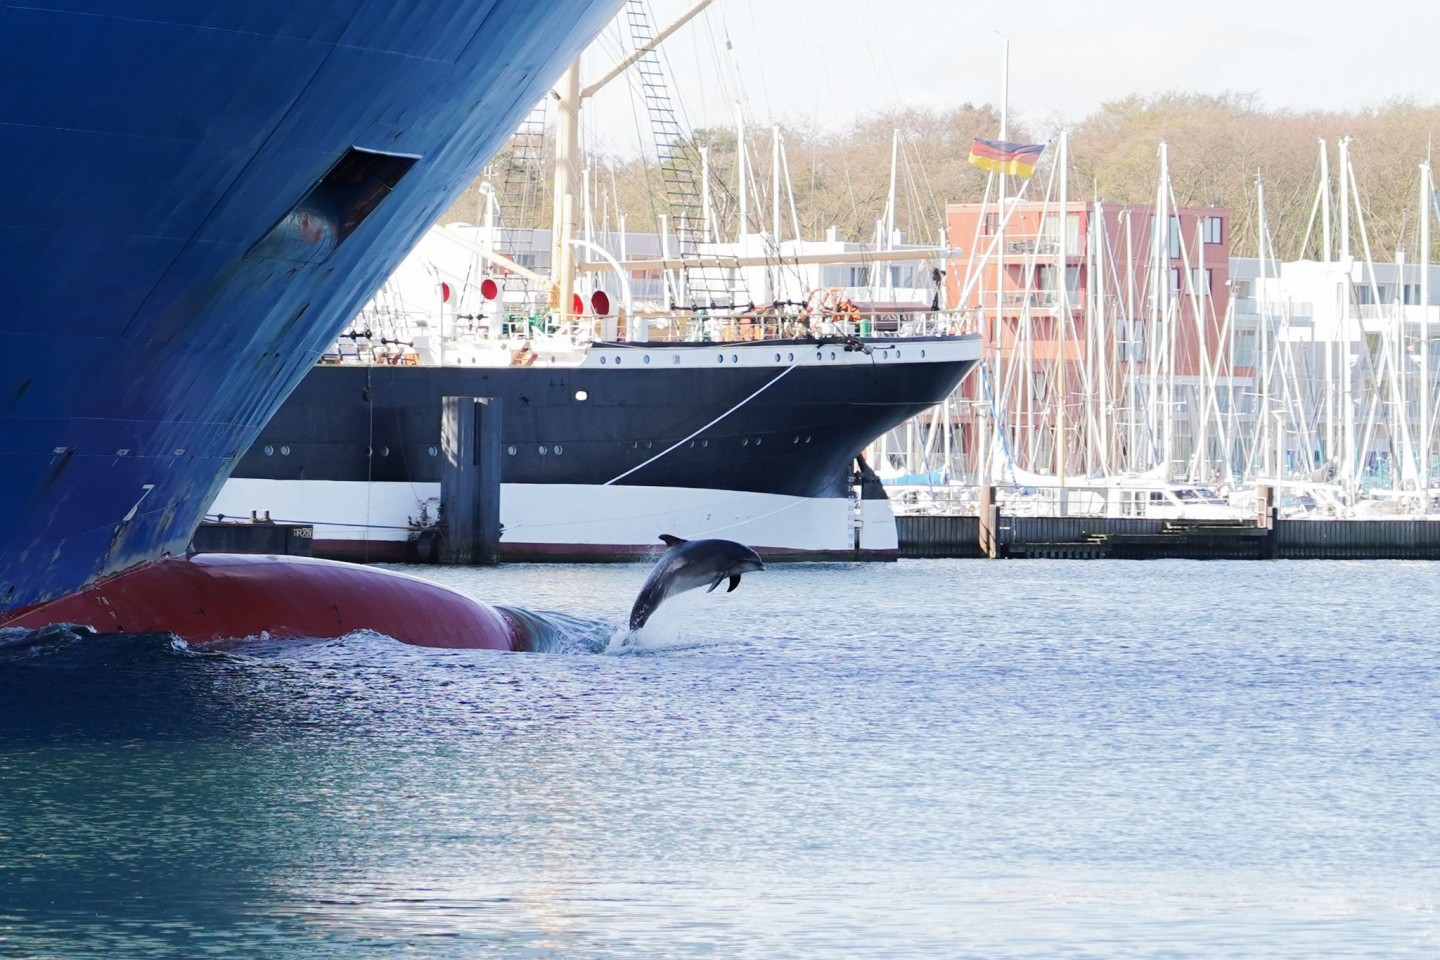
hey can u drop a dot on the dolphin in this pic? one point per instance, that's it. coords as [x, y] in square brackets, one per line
[688, 564]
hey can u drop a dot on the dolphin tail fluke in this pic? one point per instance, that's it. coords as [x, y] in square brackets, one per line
[672, 541]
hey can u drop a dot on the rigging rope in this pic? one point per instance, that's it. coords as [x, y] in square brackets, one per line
[774, 380]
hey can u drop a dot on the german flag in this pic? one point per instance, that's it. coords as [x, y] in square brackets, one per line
[1002, 156]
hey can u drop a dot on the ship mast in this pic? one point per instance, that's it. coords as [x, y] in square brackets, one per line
[571, 97]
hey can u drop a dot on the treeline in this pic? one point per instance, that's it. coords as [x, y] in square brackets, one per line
[1219, 147]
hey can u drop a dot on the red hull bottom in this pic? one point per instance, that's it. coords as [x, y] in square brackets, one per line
[219, 596]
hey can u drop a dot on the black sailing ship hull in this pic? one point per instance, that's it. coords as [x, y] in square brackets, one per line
[756, 442]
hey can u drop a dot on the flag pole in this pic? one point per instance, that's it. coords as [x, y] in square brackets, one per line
[997, 330]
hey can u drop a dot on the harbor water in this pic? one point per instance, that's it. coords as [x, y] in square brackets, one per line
[923, 759]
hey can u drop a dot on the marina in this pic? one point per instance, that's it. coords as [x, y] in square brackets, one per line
[434, 525]
[1137, 538]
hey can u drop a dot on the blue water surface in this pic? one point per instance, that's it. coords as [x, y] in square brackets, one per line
[922, 759]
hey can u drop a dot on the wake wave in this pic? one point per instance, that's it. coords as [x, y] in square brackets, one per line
[68, 646]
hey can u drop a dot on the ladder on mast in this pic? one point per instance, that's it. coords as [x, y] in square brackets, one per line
[523, 185]
[679, 163]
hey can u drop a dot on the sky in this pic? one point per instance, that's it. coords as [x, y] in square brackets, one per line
[825, 62]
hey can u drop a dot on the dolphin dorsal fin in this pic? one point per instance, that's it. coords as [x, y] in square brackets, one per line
[672, 541]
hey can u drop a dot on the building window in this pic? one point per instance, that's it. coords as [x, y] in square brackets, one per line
[1130, 345]
[1213, 231]
[1363, 294]
[1245, 348]
[1173, 249]
[990, 225]
[1411, 294]
[1382, 293]
[1197, 279]
[1174, 280]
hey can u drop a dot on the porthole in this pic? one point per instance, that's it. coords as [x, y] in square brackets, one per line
[791, 356]
[581, 396]
[704, 443]
[284, 449]
[647, 358]
[544, 450]
[745, 442]
[777, 358]
[433, 450]
[734, 358]
[649, 444]
[511, 450]
[692, 444]
[384, 451]
[897, 353]
[922, 354]
[617, 361]
[559, 449]
[832, 354]
[759, 440]
[807, 439]
[797, 439]
[604, 359]
[884, 354]
[269, 450]
[676, 358]
[720, 357]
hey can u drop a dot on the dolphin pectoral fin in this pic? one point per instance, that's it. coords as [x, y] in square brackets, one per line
[718, 581]
[734, 582]
[672, 541]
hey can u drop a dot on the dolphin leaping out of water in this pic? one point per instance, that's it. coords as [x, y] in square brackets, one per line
[689, 564]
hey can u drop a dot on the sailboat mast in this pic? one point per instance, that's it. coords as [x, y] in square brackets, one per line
[567, 145]
[1346, 410]
[775, 186]
[890, 197]
[1063, 315]
[1331, 343]
[1426, 188]
[1158, 414]
[743, 173]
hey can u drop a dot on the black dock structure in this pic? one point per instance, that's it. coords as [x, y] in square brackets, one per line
[1147, 538]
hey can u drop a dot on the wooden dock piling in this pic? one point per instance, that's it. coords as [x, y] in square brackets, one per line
[989, 523]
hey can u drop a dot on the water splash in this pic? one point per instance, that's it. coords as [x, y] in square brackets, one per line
[670, 629]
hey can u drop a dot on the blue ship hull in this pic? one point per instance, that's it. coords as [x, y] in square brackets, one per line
[197, 197]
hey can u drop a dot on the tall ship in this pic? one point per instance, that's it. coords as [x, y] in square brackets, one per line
[756, 441]
[198, 199]
[719, 378]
